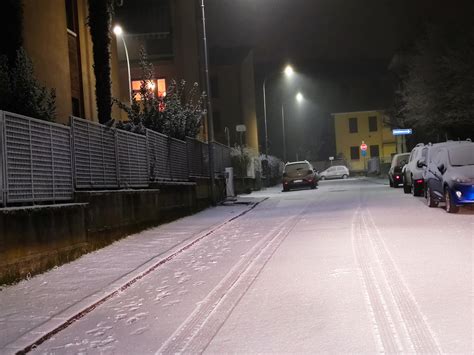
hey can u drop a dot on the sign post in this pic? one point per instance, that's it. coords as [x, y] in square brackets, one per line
[363, 148]
[401, 143]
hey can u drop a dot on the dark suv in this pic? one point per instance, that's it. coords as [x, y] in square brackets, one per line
[299, 173]
[412, 173]
[449, 175]
[395, 177]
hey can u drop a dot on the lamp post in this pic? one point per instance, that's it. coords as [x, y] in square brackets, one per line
[210, 123]
[119, 33]
[288, 72]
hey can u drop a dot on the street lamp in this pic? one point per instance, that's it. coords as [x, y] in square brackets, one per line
[119, 33]
[299, 97]
[288, 72]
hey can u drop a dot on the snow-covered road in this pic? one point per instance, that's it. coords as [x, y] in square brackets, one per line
[352, 267]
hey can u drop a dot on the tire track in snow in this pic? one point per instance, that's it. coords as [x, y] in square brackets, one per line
[197, 331]
[398, 324]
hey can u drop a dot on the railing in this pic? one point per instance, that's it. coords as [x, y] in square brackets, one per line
[198, 155]
[221, 157]
[167, 157]
[36, 161]
[46, 162]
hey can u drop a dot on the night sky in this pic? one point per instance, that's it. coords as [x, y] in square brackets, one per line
[341, 49]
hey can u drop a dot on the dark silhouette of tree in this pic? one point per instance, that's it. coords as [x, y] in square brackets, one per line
[436, 80]
[100, 15]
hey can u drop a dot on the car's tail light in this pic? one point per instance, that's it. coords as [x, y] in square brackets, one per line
[419, 181]
[397, 177]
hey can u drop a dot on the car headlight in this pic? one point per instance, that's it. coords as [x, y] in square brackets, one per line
[459, 194]
[462, 180]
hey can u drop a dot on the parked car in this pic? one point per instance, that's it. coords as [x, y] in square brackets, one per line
[449, 175]
[412, 173]
[335, 172]
[395, 177]
[298, 174]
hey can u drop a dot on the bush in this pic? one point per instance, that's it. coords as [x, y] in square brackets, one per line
[177, 114]
[20, 91]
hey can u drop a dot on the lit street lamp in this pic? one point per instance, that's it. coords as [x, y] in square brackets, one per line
[288, 72]
[119, 33]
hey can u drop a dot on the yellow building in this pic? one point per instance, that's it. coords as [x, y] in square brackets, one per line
[57, 39]
[354, 128]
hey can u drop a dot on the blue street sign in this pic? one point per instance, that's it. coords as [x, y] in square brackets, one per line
[401, 131]
[363, 152]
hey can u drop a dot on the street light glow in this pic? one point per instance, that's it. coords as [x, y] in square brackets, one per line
[289, 70]
[299, 97]
[118, 30]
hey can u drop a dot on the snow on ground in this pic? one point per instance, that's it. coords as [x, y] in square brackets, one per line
[44, 301]
[352, 267]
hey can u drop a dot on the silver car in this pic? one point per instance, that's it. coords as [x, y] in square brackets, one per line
[335, 172]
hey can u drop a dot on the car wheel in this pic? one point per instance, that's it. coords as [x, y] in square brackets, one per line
[313, 186]
[416, 191]
[450, 206]
[390, 182]
[345, 176]
[406, 187]
[429, 199]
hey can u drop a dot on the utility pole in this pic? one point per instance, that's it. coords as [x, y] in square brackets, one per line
[210, 123]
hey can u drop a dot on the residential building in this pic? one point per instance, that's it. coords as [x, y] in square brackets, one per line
[168, 31]
[233, 96]
[369, 127]
[57, 39]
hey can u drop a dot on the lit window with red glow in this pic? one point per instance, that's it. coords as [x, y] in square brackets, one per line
[155, 86]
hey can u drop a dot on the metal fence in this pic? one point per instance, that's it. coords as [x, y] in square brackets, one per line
[168, 159]
[198, 156]
[221, 157]
[95, 156]
[36, 160]
[44, 162]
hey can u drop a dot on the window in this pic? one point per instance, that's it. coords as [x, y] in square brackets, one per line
[374, 151]
[355, 153]
[71, 19]
[156, 86]
[353, 125]
[373, 124]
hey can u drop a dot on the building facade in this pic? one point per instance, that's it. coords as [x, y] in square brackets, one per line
[57, 39]
[233, 97]
[369, 127]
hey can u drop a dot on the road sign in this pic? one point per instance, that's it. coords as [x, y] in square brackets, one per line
[331, 158]
[241, 128]
[401, 131]
[364, 153]
[363, 147]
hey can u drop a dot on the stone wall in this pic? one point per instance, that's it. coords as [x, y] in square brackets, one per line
[34, 239]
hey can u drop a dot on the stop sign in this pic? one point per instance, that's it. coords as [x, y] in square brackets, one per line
[363, 147]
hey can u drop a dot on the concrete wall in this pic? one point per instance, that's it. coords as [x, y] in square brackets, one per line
[34, 239]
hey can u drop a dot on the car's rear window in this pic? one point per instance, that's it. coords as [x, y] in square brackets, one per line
[461, 155]
[295, 167]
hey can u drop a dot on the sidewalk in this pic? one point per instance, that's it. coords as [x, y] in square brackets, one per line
[38, 306]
